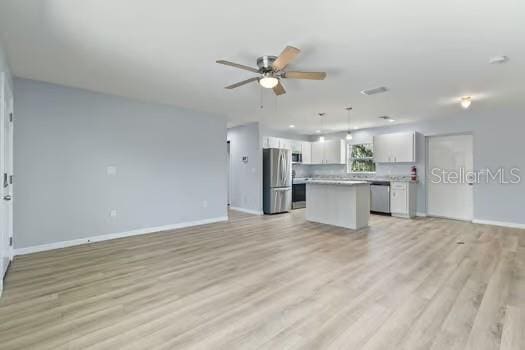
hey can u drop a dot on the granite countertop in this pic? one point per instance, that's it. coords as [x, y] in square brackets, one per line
[343, 182]
[397, 178]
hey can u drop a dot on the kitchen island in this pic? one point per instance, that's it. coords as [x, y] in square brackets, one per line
[338, 202]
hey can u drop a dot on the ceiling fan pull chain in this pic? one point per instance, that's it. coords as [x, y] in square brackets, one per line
[261, 101]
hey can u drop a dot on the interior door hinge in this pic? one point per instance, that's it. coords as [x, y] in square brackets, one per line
[10, 241]
[11, 179]
[11, 117]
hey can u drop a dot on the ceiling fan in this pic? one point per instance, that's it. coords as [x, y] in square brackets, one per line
[271, 71]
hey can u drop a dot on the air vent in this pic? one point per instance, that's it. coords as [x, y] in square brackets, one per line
[386, 117]
[377, 90]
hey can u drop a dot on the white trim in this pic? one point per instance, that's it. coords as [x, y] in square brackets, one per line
[423, 215]
[99, 238]
[248, 211]
[498, 223]
[449, 217]
[1, 286]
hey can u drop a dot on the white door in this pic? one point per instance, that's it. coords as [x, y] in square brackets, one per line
[398, 201]
[381, 149]
[317, 152]
[403, 148]
[228, 170]
[307, 152]
[331, 152]
[448, 197]
[6, 171]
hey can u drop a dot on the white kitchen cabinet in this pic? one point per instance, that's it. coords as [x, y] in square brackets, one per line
[286, 144]
[329, 152]
[271, 142]
[403, 199]
[303, 147]
[317, 153]
[306, 150]
[276, 142]
[395, 148]
[297, 146]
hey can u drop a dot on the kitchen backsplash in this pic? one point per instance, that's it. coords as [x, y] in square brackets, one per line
[302, 170]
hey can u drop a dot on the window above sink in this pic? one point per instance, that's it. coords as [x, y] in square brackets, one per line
[361, 158]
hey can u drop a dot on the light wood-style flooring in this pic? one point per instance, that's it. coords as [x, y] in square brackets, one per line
[275, 282]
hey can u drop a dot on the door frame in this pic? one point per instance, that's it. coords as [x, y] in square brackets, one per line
[427, 171]
[6, 165]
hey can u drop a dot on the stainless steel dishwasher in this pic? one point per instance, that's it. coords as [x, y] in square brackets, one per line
[380, 197]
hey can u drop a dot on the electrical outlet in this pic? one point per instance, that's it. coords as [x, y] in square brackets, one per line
[205, 204]
[113, 213]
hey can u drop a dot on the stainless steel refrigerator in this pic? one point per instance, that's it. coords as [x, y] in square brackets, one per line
[277, 180]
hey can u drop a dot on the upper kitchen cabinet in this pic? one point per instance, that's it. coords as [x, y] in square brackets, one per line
[276, 142]
[395, 148]
[271, 142]
[329, 152]
[306, 150]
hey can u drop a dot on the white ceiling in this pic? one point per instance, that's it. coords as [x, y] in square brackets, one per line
[428, 53]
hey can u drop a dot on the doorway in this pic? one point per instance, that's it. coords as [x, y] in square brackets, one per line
[6, 175]
[228, 172]
[450, 191]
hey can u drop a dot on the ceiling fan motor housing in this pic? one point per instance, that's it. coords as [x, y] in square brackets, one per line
[265, 63]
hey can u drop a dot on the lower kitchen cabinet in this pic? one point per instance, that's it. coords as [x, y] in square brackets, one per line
[403, 199]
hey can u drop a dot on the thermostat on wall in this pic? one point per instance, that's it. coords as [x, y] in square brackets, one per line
[245, 159]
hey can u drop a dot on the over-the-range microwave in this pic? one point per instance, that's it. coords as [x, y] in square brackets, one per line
[297, 157]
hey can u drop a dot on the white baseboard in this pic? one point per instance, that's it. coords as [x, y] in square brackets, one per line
[498, 223]
[1, 286]
[141, 231]
[421, 214]
[247, 211]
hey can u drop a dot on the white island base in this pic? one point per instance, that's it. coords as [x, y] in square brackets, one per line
[339, 203]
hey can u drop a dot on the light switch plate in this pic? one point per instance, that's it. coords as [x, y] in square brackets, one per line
[111, 170]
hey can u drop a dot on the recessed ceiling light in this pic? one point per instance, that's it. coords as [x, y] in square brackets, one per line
[292, 126]
[466, 102]
[498, 59]
[373, 91]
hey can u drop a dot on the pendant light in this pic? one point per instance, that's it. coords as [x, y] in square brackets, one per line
[348, 133]
[321, 115]
[465, 102]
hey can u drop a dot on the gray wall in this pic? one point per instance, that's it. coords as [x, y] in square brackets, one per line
[246, 178]
[4, 67]
[498, 142]
[169, 162]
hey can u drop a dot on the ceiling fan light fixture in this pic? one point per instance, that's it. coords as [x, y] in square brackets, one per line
[321, 138]
[268, 82]
[349, 136]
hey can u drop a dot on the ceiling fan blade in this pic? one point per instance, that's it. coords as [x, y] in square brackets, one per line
[233, 86]
[237, 65]
[305, 75]
[288, 54]
[279, 89]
